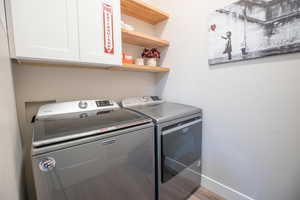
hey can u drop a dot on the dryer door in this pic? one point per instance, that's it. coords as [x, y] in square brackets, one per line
[181, 149]
[180, 159]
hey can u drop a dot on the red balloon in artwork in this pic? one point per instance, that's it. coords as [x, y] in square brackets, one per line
[213, 27]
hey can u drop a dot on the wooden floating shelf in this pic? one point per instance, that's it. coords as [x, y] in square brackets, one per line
[124, 67]
[143, 11]
[141, 39]
[139, 68]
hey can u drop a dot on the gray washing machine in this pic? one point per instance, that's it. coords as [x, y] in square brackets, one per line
[178, 130]
[91, 150]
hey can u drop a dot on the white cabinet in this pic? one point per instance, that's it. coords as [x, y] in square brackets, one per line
[44, 29]
[62, 31]
[91, 31]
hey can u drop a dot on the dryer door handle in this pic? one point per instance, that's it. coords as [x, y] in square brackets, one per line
[181, 127]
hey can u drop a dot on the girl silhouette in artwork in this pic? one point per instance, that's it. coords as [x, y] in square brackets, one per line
[228, 45]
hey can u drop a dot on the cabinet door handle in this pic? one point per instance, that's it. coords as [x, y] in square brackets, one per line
[108, 142]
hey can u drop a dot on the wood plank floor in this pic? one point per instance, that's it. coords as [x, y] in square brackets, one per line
[204, 194]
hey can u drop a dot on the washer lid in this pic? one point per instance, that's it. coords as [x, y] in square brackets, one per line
[56, 130]
[167, 111]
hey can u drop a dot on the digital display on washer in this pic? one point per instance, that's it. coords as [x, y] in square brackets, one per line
[104, 103]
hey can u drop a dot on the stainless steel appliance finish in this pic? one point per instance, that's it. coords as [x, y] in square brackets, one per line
[140, 101]
[179, 157]
[178, 130]
[60, 129]
[167, 111]
[107, 155]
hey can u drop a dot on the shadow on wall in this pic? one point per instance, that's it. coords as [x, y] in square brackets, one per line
[162, 78]
[160, 28]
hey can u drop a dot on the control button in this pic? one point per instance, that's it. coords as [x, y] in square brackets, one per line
[82, 104]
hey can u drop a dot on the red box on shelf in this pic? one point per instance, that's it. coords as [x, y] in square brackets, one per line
[127, 59]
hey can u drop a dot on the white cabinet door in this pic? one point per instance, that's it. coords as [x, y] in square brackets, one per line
[91, 32]
[45, 29]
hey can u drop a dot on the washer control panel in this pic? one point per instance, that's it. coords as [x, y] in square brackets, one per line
[140, 101]
[75, 107]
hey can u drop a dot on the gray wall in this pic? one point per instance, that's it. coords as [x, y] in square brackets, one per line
[251, 109]
[10, 145]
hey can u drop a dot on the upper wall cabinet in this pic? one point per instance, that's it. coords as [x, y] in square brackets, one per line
[44, 29]
[100, 31]
[69, 31]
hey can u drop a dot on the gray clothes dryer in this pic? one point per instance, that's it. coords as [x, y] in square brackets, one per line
[178, 131]
[107, 155]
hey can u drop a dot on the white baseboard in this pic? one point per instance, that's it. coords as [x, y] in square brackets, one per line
[223, 190]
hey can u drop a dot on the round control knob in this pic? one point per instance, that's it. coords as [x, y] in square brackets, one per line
[82, 104]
